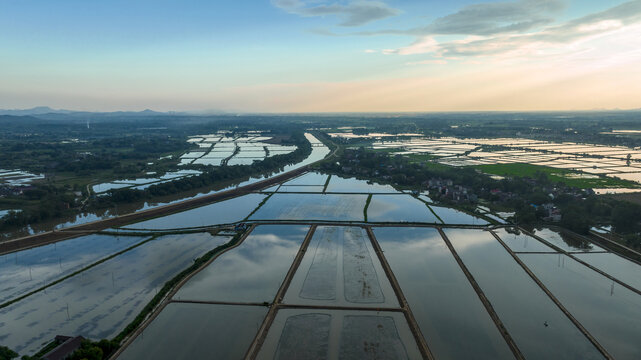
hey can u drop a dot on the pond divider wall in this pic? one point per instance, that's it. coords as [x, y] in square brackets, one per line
[554, 299]
[488, 306]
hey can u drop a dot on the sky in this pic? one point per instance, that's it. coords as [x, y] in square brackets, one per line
[320, 56]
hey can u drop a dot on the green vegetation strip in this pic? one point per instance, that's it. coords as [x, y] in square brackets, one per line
[369, 199]
[567, 177]
[432, 210]
[388, 150]
[75, 273]
[169, 285]
[151, 232]
[259, 206]
[430, 161]
[327, 183]
[52, 345]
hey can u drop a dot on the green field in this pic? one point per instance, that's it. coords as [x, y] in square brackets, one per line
[428, 160]
[567, 177]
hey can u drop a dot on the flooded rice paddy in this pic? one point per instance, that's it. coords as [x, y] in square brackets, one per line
[198, 331]
[566, 242]
[310, 178]
[18, 178]
[301, 188]
[339, 334]
[449, 313]
[224, 212]
[340, 267]
[609, 311]
[589, 159]
[99, 302]
[521, 242]
[27, 270]
[456, 217]
[338, 295]
[240, 149]
[143, 183]
[399, 208]
[251, 272]
[541, 330]
[330, 207]
[350, 185]
[616, 266]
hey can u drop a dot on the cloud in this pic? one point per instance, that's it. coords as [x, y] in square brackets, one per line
[490, 39]
[423, 45]
[353, 13]
[495, 18]
[428, 62]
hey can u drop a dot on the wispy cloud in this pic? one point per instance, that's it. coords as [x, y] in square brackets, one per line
[353, 13]
[495, 18]
[504, 33]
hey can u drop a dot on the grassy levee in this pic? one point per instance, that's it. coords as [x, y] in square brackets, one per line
[369, 199]
[567, 177]
[259, 206]
[431, 210]
[144, 232]
[327, 183]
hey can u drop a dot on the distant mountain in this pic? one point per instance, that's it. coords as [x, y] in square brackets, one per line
[38, 110]
[47, 113]
[18, 118]
[45, 110]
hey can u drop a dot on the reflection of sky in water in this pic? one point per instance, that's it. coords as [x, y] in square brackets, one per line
[522, 242]
[346, 334]
[455, 217]
[610, 312]
[27, 270]
[312, 178]
[186, 331]
[398, 208]
[566, 243]
[251, 272]
[539, 327]
[616, 266]
[448, 311]
[338, 261]
[283, 206]
[228, 211]
[104, 299]
[340, 184]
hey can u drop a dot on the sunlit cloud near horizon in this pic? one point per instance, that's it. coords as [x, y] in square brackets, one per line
[321, 56]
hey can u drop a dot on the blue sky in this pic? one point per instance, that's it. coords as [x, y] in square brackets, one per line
[317, 55]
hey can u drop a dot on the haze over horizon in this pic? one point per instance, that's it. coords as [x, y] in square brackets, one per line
[321, 56]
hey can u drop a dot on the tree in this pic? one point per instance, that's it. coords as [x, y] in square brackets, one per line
[7, 354]
[576, 219]
[88, 350]
[626, 217]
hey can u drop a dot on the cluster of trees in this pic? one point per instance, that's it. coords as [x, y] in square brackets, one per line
[7, 354]
[89, 350]
[88, 155]
[51, 202]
